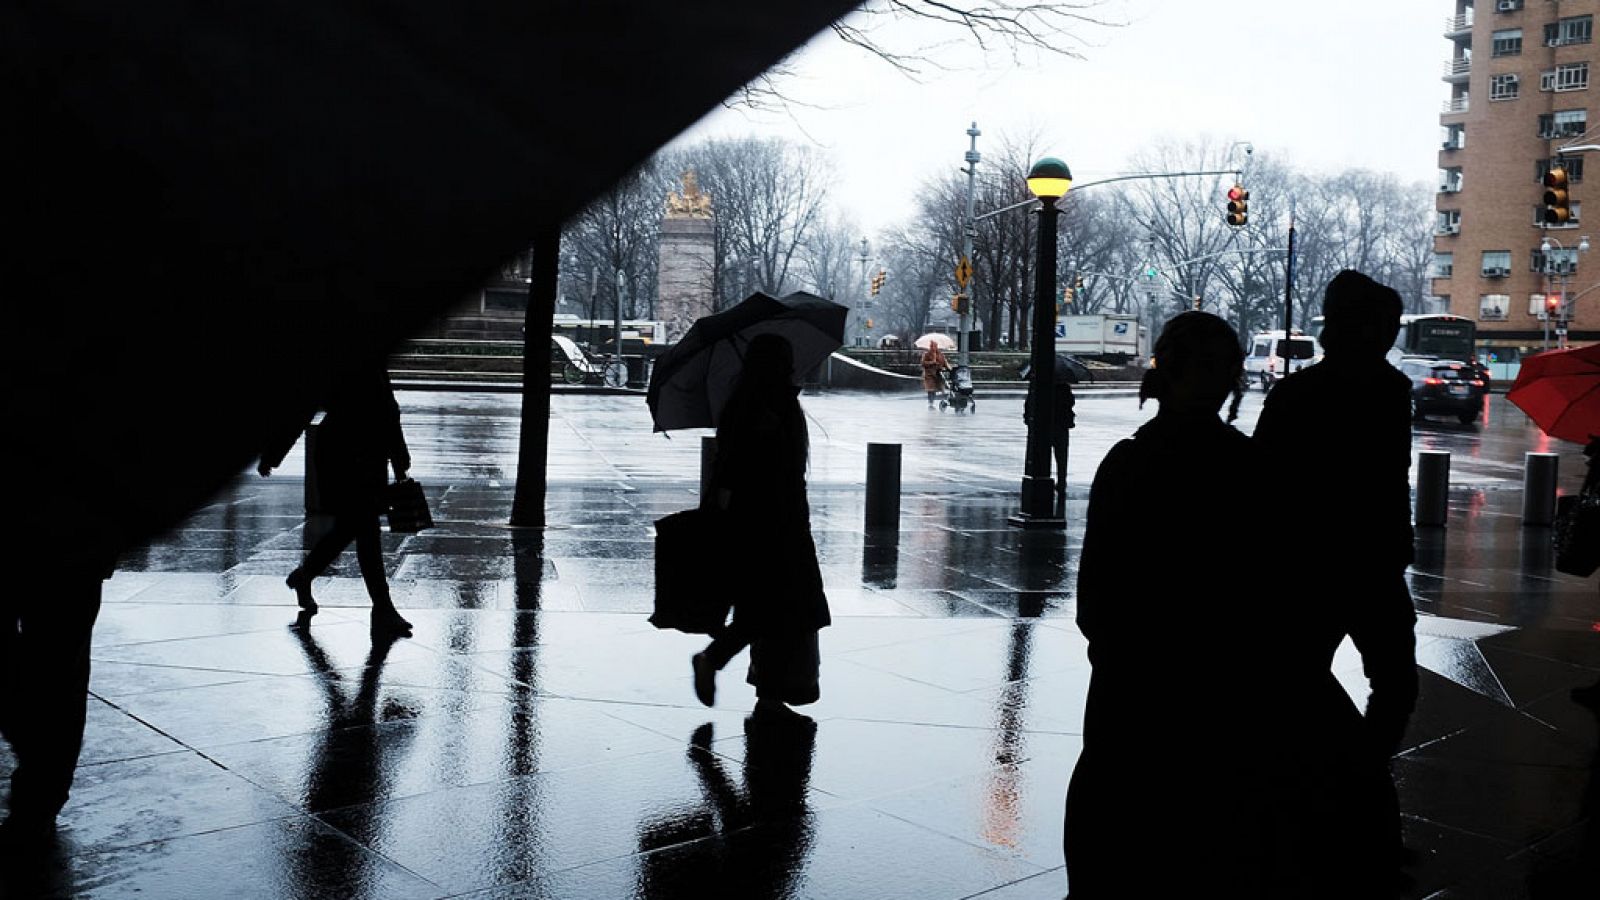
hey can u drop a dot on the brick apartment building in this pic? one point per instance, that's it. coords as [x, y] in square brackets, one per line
[1519, 75]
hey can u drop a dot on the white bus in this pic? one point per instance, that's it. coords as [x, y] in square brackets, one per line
[1436, 335]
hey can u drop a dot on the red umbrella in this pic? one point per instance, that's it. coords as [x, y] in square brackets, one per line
[1560, 392]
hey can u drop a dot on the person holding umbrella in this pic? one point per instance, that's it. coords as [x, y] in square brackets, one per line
[759, 481]
[934, 365]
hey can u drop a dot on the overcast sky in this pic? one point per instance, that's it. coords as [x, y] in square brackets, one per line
[1326, 86]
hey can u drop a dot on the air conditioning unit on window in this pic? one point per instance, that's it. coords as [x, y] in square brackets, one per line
[1496, 272]
[1452, 228]
[1565, 268]
[1508, 5]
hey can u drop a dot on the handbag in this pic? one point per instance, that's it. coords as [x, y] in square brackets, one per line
[692, 568]
[407, 507]
[1577, 534]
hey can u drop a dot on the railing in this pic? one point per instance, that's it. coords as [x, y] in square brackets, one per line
[1454, 25]
[1457, 68]
[1455, 105]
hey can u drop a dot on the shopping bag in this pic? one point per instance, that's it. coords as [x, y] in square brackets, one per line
[407, 506]
[692, 580]
[1577, 535]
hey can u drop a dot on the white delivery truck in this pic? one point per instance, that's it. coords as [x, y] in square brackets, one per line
[1272, 356]
[1109, 337]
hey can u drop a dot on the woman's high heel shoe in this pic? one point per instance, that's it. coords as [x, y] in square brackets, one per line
[301, 585]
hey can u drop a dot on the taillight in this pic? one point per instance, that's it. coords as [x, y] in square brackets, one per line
[1477, 384]
[1433, 381]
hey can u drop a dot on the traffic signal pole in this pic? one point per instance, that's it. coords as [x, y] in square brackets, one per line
[967, 233]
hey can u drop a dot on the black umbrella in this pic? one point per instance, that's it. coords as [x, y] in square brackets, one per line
[692, 380]
[1069, 370]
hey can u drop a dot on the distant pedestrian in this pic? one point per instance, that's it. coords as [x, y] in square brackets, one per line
[934, 365]
[1347, 422]
[358, 440]
[1167, 798]
[1061, 422]
[759, 479]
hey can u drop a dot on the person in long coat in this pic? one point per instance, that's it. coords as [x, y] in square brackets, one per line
[934, 365]
[358, 440]
[759, 480]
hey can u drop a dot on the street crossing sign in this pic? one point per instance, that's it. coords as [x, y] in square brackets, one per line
[963, 272]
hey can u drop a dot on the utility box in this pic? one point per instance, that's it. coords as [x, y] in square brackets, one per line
[1116, 338]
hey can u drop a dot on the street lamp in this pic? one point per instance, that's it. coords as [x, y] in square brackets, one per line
[1048, 180]
[1563, 308]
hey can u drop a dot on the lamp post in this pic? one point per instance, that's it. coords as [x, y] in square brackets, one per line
[1562, 310]
[1048, 180]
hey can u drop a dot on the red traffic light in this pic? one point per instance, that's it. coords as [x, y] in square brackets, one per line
[1238, 205]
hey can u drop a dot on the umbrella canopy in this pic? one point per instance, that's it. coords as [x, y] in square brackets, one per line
[1560, 392]
[693, 380]
[1069, 370]
[935, 339]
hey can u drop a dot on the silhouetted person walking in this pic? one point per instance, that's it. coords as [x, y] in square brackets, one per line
[44, 673]
[1060, 423]
[1167, 798]
[358, 440]
[759, 479]
[1347, 423]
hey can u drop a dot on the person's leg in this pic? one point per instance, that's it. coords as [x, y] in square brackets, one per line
[724, 646]
[930, 399]
[48, 648]
[1059, 445]
[322, 554]
[369, 554]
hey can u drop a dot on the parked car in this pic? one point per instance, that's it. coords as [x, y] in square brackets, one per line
[1266, 363]
[1444, 387]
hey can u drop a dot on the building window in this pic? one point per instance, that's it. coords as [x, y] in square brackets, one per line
[1571, 30]
[1492, 307]
[1562, 261]
[1573, 165]
[1536, 306]
[1450, 180]
[1450, 221]
[1504, 87]
[1496, 263]
[1455, 137]
[1572, 77]
[1507, 42]
[1566, 123]
[1444, 265]
[1574, 207]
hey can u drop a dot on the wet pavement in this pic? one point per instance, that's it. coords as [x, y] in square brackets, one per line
[538, 738]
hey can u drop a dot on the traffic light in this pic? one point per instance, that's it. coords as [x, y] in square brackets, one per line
[1238, 206]
[1552, 306]
[1556, 211]
[877, 281]
[960, 303]
[869, 323]
[1065, 301]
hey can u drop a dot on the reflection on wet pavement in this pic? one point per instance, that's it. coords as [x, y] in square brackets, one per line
[538, 738]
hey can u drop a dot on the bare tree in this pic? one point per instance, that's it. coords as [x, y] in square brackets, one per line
[909, 35]
[618, 232]
[830, 262]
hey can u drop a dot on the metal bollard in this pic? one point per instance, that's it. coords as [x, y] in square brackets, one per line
[1433, 487]
[708, 467]
[1539, 488]
[883, 486]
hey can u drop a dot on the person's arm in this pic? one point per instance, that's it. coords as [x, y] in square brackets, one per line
[1384, 632]
[1105, 536]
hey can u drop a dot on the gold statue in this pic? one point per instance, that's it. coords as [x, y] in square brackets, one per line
[692, 203]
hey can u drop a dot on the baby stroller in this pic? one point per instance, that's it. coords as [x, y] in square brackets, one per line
[957, 394]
